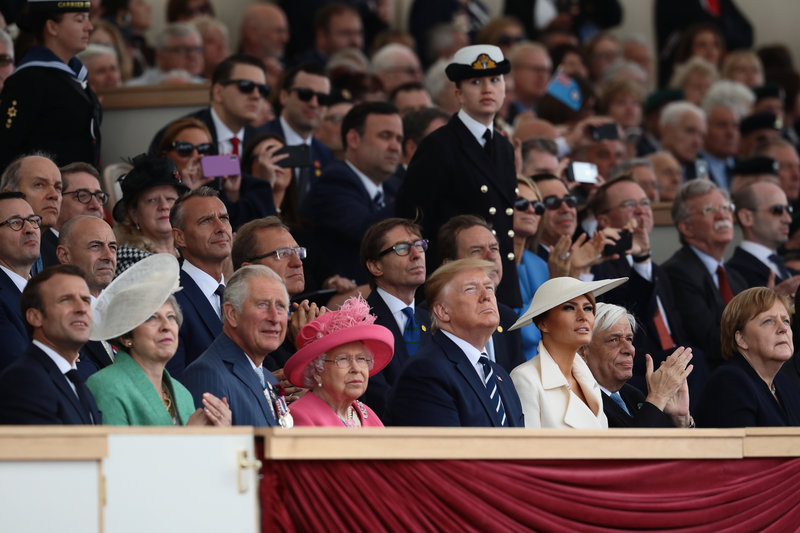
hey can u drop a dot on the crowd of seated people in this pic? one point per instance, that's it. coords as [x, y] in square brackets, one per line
[451, 226]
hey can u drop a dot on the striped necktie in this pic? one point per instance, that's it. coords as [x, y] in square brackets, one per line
[411, 333]
[490, 380]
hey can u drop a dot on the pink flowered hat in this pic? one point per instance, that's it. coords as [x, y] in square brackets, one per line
[351, 323]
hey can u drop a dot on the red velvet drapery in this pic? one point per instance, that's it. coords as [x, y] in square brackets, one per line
[579, 495]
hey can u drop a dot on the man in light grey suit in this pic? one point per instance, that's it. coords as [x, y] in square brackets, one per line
[255, 312]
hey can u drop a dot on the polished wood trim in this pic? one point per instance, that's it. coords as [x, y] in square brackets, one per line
[52, 443]
[195, 94]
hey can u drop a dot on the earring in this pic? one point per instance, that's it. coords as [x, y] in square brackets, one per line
[319, 384]
[138, 228]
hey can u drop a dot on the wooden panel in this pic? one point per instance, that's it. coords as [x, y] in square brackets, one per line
[195, 94]
[772, 442]
[23, 443]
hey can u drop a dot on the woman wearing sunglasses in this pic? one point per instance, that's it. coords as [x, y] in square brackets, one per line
[532, 270]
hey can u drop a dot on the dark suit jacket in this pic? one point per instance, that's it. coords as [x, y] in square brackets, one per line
[201, 325]
[34, 391]
[439, 387]
[699, 301]
[754, 272]
[597, 13]
[321, 155]
[509, 351]
[224, 371]
[341, 210]
[12, 329]
[47, 248]
[380, 385]
[736, 396]
[451, 174]
[204, 116]
[93, 357]
[643, 414]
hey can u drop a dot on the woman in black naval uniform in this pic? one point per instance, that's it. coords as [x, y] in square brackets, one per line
[46, 104]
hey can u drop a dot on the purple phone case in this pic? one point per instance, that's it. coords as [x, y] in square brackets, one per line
[220, 165]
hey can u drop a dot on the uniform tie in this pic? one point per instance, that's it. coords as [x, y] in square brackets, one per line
[487, 146]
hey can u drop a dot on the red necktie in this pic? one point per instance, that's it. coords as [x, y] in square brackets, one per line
[713, 7]
[724, 287]
[663, 333]
[235, 142]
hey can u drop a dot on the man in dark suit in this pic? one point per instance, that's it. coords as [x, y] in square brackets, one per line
[237, 89]
[393, 253]
[468, 236]
[38, 177]
[43, 386]
[89, 243]
[701, 285]
[764, 214]
[351, 195]
[450, 381]
[19, 249]
[464, 167]
[303, 98]
[203, 234]
[256, 310]
[610, 357]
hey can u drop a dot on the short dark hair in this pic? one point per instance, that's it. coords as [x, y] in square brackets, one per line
[176, 213]
[416, 122]
[222, 72]
[406, 88]
[309, 67]
[375, 240]
[356, 118]
[447, 238]
[248, 154]
[11, 195]
[244, 245]
[32, 294]
[599, 202]
[74, 168]
[323, 15]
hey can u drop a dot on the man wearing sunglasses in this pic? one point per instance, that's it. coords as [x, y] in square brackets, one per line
[764, 214]
[303, 100]
[466, 167]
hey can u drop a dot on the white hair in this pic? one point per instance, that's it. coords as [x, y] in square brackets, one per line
[729, 94]
[673, 113]
[9, 42]
[176, 30]
[94, 50]
[436, 79]
[606, 315]
[694, 64]
[384, 59]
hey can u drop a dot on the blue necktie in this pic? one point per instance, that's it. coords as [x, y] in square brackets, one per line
[411, 333]
[37, 267]
[491, 387]
[619, 401]
[260, 375]
[783, 272]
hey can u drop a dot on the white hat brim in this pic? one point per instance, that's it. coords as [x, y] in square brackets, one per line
[556, 291]
[134, 296]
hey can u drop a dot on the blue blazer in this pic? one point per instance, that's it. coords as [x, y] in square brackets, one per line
[439, 387]
[200, 327]
[224, 371]
[34, 391]
[12, 329]
[380, 385]
[341, 210]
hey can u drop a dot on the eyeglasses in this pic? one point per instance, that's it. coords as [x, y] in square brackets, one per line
[247, 87]
[404, 248]
[714, 209]
[185, 50]
[84, 196]
[6, 60]
[345, 361]
[281, 253]
[522, 204]
[505, 40]
[305, 95]
[778, 209]
[185, 149]
[554, 202]
[16, 223]
[631, 204]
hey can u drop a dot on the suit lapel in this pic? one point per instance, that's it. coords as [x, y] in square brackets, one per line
[240, 367]
[386, 319]
[201, 305]
[61, 383]
[467, 371]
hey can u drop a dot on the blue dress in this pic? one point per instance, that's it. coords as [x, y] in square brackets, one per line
[532, 273]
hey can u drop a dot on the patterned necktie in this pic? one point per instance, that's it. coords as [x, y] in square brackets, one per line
[82, 392]
[235, 142]
[724, 287]
[411, 333]
[260, 375]
[783, 272]
[490, 380]
[221, 293]
[378, 200]
[619, 401]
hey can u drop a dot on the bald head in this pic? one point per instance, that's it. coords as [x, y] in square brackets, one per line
[89, 243]
[265, 31]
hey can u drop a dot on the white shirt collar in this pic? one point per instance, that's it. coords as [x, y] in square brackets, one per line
[372, 188]
[18, 280]
[224, 135]
[292, 137]
[396, 306]
[475, 128]
[206, 283]
[760, 252]
[709, 262]
[63, 365]
[472, 353]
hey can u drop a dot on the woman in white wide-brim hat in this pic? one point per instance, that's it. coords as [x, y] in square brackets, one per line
[556, 388]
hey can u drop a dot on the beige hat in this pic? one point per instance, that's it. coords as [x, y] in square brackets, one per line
[134, 296]
[556, 291]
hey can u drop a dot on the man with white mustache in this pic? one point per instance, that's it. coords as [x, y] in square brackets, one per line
[702, 286]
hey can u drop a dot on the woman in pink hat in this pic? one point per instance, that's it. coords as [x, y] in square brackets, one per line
[337, 353]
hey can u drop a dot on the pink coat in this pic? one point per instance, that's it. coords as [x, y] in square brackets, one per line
[311, 410]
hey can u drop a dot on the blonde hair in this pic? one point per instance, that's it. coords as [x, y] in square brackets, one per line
[742, 309]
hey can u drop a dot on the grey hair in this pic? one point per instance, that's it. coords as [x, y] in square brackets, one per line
[624, 69]
[176, 30]
[237, 289]
[695, 64]
[436, 79]
[384, 58]
[94, 50]
[731, 95]
[629, 164]
[606, 315]
[673, 113]
[351, 59]
[9, 181]
[540, 144]
[692, 189]
[176, 214]
[178, 317]
[206, 23]
[9, 42]
[315, 366]
[440, 37]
